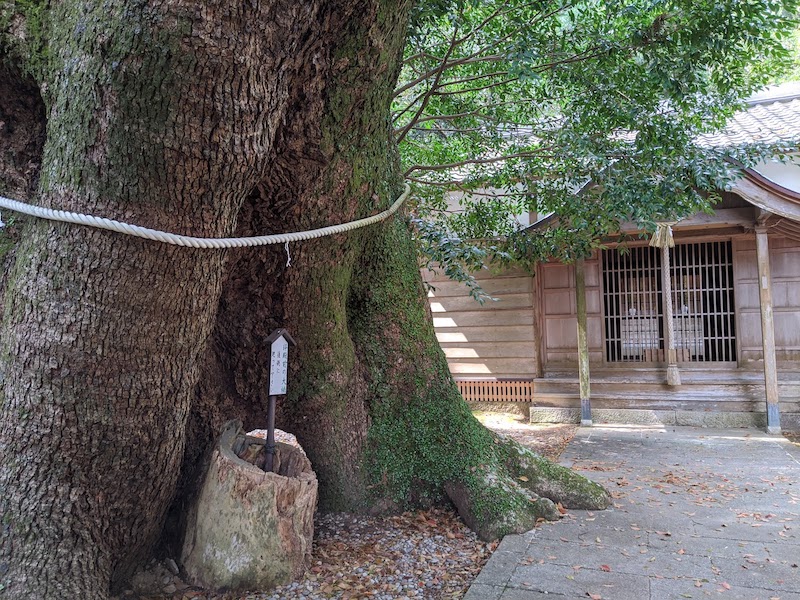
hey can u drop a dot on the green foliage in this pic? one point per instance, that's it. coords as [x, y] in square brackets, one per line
[533, 100]
[458, 260]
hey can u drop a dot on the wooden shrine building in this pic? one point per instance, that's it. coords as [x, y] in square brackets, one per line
[705, 332]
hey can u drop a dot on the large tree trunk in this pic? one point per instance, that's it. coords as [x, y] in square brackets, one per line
[215, 118]
[370, 395]
[163, 114]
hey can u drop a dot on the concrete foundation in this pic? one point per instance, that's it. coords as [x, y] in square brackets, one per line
[624, 416]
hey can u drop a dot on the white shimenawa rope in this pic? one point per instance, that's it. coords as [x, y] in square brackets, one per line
[197, 242]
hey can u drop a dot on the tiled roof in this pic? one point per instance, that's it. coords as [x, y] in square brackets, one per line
[773, 116]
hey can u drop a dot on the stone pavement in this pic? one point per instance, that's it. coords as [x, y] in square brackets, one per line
[697, 513]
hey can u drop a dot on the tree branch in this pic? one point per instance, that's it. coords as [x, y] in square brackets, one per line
[428, 94]
[488, 86]
[473, 78]
[442, 66]
[477, 161]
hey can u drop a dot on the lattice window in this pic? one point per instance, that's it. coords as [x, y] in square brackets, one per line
[702, 303]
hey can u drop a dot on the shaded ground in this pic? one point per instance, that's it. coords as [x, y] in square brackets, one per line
[429, 555]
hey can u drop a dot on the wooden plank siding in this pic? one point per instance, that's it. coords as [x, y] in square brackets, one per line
[785, 267]
[489, 342]
[559, 314]
[523, 347]
[559, 320]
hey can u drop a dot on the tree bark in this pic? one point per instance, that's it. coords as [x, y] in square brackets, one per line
[163, 114]
[333, 161]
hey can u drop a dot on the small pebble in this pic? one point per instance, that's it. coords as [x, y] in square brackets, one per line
[172, 566]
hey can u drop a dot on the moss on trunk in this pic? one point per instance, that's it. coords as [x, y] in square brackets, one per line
[423, 439]
[161, 114]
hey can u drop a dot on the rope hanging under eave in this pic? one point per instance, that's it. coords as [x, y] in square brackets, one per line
[662, 237]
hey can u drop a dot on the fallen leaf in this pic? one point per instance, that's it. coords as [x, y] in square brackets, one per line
[605, 568]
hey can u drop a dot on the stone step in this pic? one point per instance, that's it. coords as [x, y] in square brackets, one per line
[664, 393]
[689, 418]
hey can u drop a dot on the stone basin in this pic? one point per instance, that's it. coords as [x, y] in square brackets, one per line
[250, 529]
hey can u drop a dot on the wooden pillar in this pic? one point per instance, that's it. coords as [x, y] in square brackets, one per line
[663, 239]
[538, 367]
[673, 375]
[583, 346]
[767, 330]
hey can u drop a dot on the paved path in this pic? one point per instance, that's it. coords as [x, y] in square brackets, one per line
[698, 513]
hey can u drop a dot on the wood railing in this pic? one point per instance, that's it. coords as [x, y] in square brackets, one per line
[496, 391]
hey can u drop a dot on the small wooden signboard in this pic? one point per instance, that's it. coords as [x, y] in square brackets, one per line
[279, 341]
[278, 366]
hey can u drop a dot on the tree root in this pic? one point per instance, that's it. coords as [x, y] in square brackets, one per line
[553, 481]
[520, 489]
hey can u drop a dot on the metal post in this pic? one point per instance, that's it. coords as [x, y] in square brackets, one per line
[279, 341]
[270, 435]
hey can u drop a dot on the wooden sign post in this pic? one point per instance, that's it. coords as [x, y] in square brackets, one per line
[279, 341]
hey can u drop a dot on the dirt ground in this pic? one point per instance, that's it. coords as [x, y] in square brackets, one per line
[545, 439]
[429, 555]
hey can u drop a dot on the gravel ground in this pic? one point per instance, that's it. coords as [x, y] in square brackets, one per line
[428, 555]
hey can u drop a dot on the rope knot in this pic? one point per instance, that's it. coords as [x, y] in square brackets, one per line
[662, 237]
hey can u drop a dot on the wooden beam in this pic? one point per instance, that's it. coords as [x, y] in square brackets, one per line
[742, 217]
[536, 310]
[767, 330]
[788, 228]
[722, 217]
[769, 197]
[583, 346]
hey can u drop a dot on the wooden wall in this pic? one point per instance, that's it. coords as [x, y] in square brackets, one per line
[491, 341]
[785, 268]
[559, 312]
[557, 289]
[531, 329]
